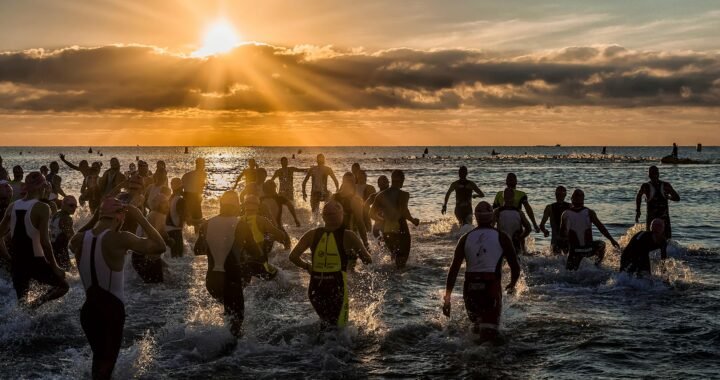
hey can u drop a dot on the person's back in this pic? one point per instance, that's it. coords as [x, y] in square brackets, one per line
[635, 257]
[576, 223]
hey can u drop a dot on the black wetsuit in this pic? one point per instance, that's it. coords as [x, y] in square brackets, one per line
[328, 280]
[60, 240]
[396, 232]
[657, 206]
[463, 201]
[635, 257]
[558, 242]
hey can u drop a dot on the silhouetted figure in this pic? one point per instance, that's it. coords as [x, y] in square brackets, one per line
[699, 147]
[463, 189]
[187, 150]
[604, 151]
[657, 193]
[675, 151]
[90, 150]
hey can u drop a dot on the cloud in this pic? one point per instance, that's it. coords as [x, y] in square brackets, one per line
[264, 78]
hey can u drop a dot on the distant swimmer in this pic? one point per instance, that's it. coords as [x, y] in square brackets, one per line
[576, 223]
[494, 153]
[657, 194]
[635, 257]
[511, 221]
[61, 231]
[553, 212]
[17, 183]
[352, 204]
[27, 220]
[383, 183]
[483, 250]
[318, 190]
[176, 218]
[519, 199]
[331, 248]
[604, 151]
[111, 178]
[463, 189]
[285, 176]
[194, 186]
[249, 173]
[231, 251]
[391, 209]
[275, 202]
[100, 252]
[675, 151]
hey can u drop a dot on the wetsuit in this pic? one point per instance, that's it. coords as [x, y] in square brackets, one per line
[103, 314]
[59, 240]
[558, 242]
[149, 268]
[657, 206]
[463, 201]
[482, 290]
[580, 241]
[635, 257]
[396, 232]
[279, 200]
[261, 239]
[510, 222]
[519, 199]
[174, 225]
[328, 279]
[28, 257]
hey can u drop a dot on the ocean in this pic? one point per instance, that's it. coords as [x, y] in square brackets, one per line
[592, 323]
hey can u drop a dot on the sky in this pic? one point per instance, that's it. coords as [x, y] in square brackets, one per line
[316, 72]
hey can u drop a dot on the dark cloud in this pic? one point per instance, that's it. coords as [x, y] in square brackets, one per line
[266, 78]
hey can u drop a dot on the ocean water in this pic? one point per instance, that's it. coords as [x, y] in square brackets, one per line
[593, 323]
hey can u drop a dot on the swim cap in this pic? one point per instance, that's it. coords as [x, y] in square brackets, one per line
[229, 198]
[6, 191]
[333, 214]
[657, 226]
[111, 208]
[34, 181]
[176, 184]
[484, 213]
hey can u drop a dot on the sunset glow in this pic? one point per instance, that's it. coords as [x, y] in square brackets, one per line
[219, 38]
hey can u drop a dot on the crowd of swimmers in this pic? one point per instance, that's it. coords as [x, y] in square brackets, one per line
[143, 213]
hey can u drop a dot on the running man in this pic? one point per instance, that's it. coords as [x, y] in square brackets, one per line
[391, 209]
[383, 184]
[576, 223]
[352, 206]
[194, 185]
[318, 191]
[519, 199]
[285, 176]
[657, 193]
[61, 231]
[513, 223]
[100, 255]
[635, 257]
[250, 174]
[274, 203]
[331, 248]
[231, 250]
[553, 212]
[463, 189]
[28, 221]
[483, 250]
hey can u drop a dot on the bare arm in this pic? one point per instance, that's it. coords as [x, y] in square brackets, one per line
[545, 217]
[275, 175]
[201, 247]
[69, 164]
[530, 213]
[477, 190]
[307, 176]
[5, 222]
[153, 244]
[237, 181]
[638, 202]
[358, 215]
[457, 261]
[354, 244]
[671, 193]
[526, 225]
[58, 181]
[277, 234]
[375, 209]
[602, 229]
[447, 197]
[300, 248]
[406, 210]
[332, 175]
[563, 226]
[512, 259]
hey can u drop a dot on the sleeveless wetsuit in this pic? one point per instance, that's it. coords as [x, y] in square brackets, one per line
[463, 201]
[59, 239]
[328, 279]
[482, 290]
[559, 243]
[28, 257]
[518, 199]
[396, 233]
[103, 314]
[149, 268]
[657, 206]
[510, 223]
[261, 239]
[580, 239]
[174, 226]
[636, 255]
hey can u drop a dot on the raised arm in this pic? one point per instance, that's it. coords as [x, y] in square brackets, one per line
[602, 229]
[457, 261]
[68, 163]
[300, 248]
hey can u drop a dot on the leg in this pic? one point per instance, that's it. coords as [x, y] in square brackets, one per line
[234, 303]
[102, 318]
[573, 260]
[43, 273]
[598, 251]
[178, 247]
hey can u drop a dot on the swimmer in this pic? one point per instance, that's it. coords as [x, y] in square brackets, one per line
[519, 199]
[376, 228]
[17, 182]
[553, 212]
[576, 223]
[318, 190]
[657, 193]
[513, 222]
[150, 267]
[331, 248]
[635, 257]
[352, 206]
[463, 189]
[61, 231]
[285, 178]
[111, 178]
[275, 202]
[483, 250]
[194, 186]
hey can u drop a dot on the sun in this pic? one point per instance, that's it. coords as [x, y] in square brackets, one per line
[220, 37]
